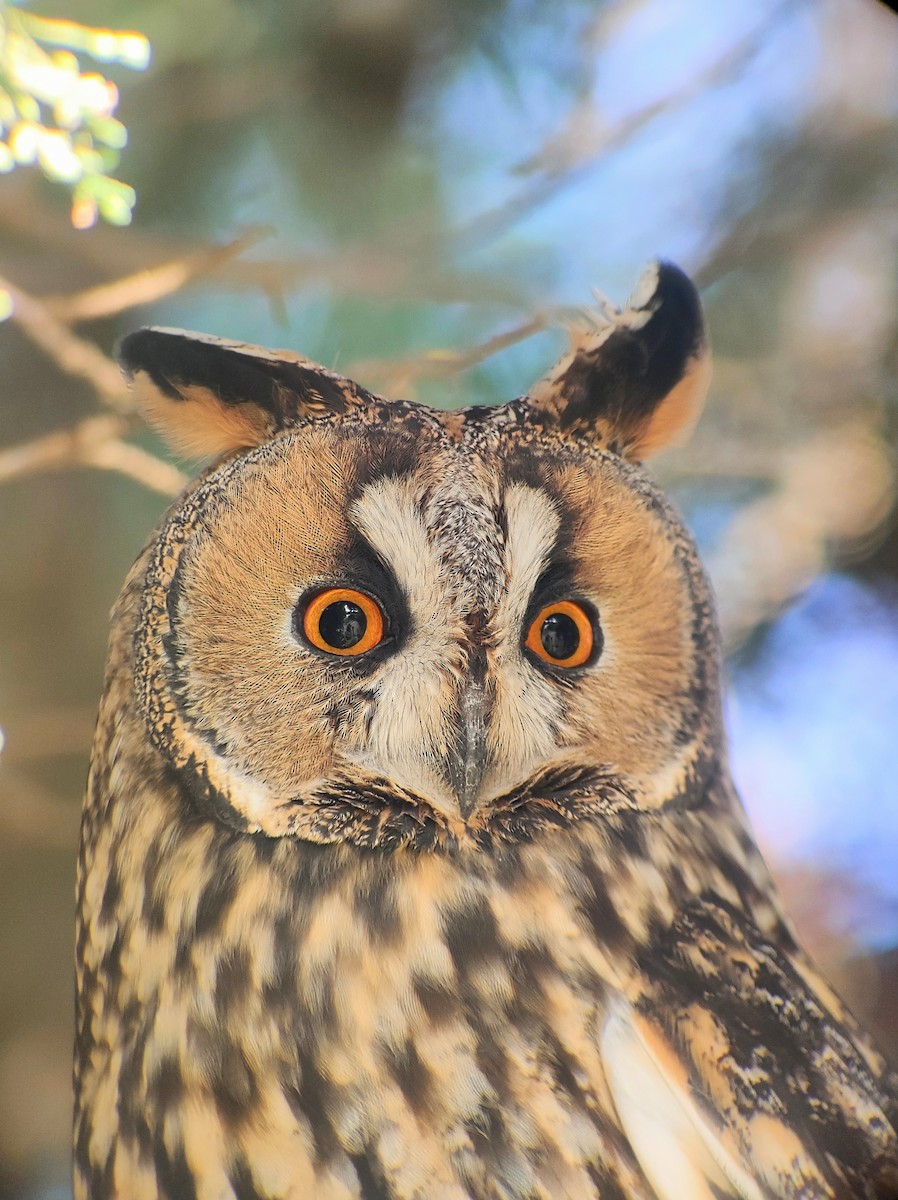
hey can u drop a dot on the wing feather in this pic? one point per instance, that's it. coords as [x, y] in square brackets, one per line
[680, 1153]
[735, 1076]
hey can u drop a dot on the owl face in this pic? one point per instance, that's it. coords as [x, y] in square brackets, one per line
[386, 621]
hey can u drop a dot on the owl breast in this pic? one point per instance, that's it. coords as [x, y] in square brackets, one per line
[398, 1023]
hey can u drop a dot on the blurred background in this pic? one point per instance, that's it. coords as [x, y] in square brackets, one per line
[418, 193]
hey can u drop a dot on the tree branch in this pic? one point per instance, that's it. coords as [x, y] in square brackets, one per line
[72, 354]
[149, 285]
[96, 442]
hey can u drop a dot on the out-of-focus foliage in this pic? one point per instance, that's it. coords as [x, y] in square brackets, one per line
[55, 116]
[420, 193]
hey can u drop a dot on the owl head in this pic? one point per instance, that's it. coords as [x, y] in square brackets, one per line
[376, 622]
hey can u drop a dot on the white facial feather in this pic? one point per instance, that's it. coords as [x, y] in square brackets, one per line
[526, 706]
[407, 733]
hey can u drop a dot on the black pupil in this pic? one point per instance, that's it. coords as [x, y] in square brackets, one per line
[560, 636]
[342, 624]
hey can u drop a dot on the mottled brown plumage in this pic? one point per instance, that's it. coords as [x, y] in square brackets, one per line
[440, 921]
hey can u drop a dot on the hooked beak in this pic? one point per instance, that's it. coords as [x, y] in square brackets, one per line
[466, 762]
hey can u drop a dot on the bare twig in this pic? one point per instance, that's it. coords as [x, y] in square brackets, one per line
[436, 364]
[60, 448]
[116, 455]
[72, 354]
[95, 441]
[601, 141]
[146, 286]
[360, 269]
[463, 360]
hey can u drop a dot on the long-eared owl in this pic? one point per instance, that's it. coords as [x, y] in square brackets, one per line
[411, 865]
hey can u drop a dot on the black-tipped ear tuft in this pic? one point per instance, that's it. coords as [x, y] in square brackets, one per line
[636, 380]
[208, 395]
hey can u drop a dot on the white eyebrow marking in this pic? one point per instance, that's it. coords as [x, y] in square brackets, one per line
[527, 708]
[411, 721]
[533, 524]
[386, 513]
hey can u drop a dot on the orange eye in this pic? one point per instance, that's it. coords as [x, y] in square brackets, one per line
[562, 634]
[343, 621]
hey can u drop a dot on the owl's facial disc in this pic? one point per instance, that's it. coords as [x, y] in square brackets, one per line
[439, 643]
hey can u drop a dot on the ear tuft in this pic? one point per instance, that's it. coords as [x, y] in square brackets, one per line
[636, 380]
[207, 396]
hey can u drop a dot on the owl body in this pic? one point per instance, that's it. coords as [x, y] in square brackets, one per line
[411, 867]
